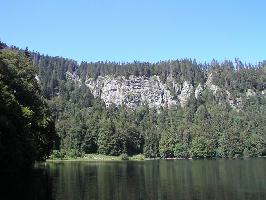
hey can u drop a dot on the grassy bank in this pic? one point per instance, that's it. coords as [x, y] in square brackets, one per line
[98, 157]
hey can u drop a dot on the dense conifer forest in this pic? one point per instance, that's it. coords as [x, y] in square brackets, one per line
[208, 127]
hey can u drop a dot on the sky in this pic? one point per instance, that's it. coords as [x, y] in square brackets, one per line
[143, 30]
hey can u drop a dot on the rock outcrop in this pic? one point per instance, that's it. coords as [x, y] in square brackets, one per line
[73, 77]
[185, 94]
[135, 91]
[132, 92]
[209, 84]
[198, 91]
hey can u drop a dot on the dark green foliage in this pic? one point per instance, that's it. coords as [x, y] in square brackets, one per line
[181, 150]
[2, 45]
[27, 131]
[151, 146]
[65, 154]
[199, 148]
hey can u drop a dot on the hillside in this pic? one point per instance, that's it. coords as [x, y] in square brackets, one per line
[167, 109]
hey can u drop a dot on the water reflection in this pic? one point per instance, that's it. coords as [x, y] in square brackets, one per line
[200, 179]
[28, 185]
[236, 179]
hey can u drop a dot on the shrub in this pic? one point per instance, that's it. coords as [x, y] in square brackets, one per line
[180, 151]
[56, 154]
[138, 157]
[124, 156]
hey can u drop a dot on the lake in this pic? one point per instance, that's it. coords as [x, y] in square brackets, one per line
[127, 180]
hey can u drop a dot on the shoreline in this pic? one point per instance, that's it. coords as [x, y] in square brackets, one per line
[139, 157]
[99, 157]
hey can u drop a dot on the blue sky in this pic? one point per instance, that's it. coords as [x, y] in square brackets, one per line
[144, 30]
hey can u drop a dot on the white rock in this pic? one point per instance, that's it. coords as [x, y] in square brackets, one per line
[250, 93]
[37, 78]
[198, 91]
[186, 91]
[132, 92]
[210, 85]
[73, 77]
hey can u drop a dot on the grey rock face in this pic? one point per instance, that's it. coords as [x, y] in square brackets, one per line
[186, 91]
[209, 84]
[140, 90]
[37, 78]
[132, 92]
[73, 77]
[198, 91]
[250, 93]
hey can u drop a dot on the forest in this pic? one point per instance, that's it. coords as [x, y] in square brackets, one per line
[27, 129]
[207, 128]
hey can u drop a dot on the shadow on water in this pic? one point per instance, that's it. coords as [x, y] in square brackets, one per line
[34, 184]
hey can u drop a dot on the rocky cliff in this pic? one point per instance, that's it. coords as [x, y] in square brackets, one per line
[135, 91]
[132, 92]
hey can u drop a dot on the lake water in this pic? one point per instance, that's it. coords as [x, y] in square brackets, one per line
[126, 180]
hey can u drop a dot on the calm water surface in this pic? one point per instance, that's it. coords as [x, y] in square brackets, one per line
[163, 179]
